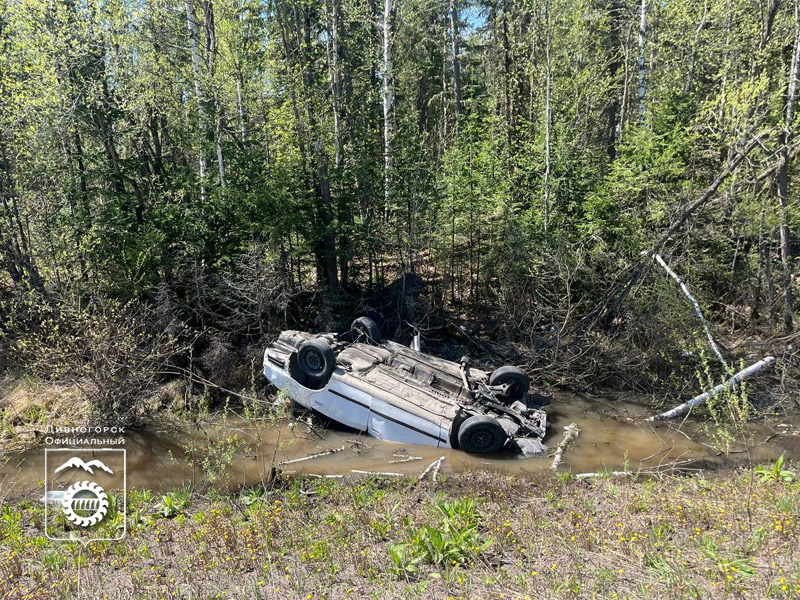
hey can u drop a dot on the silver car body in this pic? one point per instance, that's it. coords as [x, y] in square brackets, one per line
[389, 391]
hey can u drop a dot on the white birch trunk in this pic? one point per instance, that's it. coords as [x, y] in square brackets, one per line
[697, 309]
[197, 70]
[388, 104]
[642, 66]
[571, 431]
[733, 381]
[218, 141]
[332, 49]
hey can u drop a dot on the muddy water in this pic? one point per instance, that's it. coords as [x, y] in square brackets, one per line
[612, 437]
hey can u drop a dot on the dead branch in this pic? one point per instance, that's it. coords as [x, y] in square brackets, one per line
[612, 474]
[435, 464]
[615, 299]
[570, 432]
[697, 309]
[405, 460]
[304, 458]
[378, 473]
[733, 381]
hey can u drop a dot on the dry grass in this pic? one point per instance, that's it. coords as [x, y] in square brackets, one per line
[27, 407]
[726, 536]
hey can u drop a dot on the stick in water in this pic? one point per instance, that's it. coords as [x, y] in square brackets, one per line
[405, 460]
[436, 468]
[733, 381]
[610, 474]
[379, 473]
[437, 463]
[571, 431]
[325, 453]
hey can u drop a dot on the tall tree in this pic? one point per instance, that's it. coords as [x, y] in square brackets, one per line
[388, 103]
[642, 64]
[785, 138]
[197, 70]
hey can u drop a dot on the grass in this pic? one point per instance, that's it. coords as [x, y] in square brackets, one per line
[475, 535]
[28, 406]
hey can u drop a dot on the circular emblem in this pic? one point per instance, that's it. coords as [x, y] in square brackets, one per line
[85, 503]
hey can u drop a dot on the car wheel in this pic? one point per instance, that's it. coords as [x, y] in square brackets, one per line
[518, 381]
[481, 435]
[368, 328]
[316, 359]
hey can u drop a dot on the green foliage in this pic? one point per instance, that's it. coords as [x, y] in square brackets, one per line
[456, 540]
[731, 568]
[174, 503]
[140, 167]
[776, 473]
[729, 410]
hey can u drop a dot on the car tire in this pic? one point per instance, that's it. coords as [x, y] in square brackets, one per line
[316, 359]
[518, 380]
[481, 435]
[368, 328]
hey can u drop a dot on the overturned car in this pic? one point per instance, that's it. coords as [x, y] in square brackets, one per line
[396, 393]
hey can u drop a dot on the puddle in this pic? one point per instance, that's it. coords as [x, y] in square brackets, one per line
[612, 437]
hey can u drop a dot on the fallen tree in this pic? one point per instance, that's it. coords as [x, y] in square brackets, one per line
[617, 296]
[696, 305]
[733, 381]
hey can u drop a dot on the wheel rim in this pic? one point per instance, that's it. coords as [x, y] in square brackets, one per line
[482, 440]
[313, 362]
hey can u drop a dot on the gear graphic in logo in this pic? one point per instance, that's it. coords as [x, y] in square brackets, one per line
[87, 498]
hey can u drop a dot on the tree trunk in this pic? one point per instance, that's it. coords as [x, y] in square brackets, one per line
[326, 250]
[687, 87]
[613, 72]
[197, 69]
[456, 63]
[211, 57]
[388, 104]
[14, 243]
[642, 65]
[507, 77]
[547, 120]
[623, 111]
[241, 109]
[333, 70]
[784, 140]
[615, 299]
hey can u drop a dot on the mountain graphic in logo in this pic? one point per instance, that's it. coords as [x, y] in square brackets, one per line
[76, 462]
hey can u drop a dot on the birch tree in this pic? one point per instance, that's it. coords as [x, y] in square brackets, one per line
[197, 70]
[642, 64]
[388, 104]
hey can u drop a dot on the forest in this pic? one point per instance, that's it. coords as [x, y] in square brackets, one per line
[182, 179]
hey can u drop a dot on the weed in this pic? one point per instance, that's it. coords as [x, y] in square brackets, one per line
[455, 541]
[174, 503]
[252, 495]
[776, 473]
